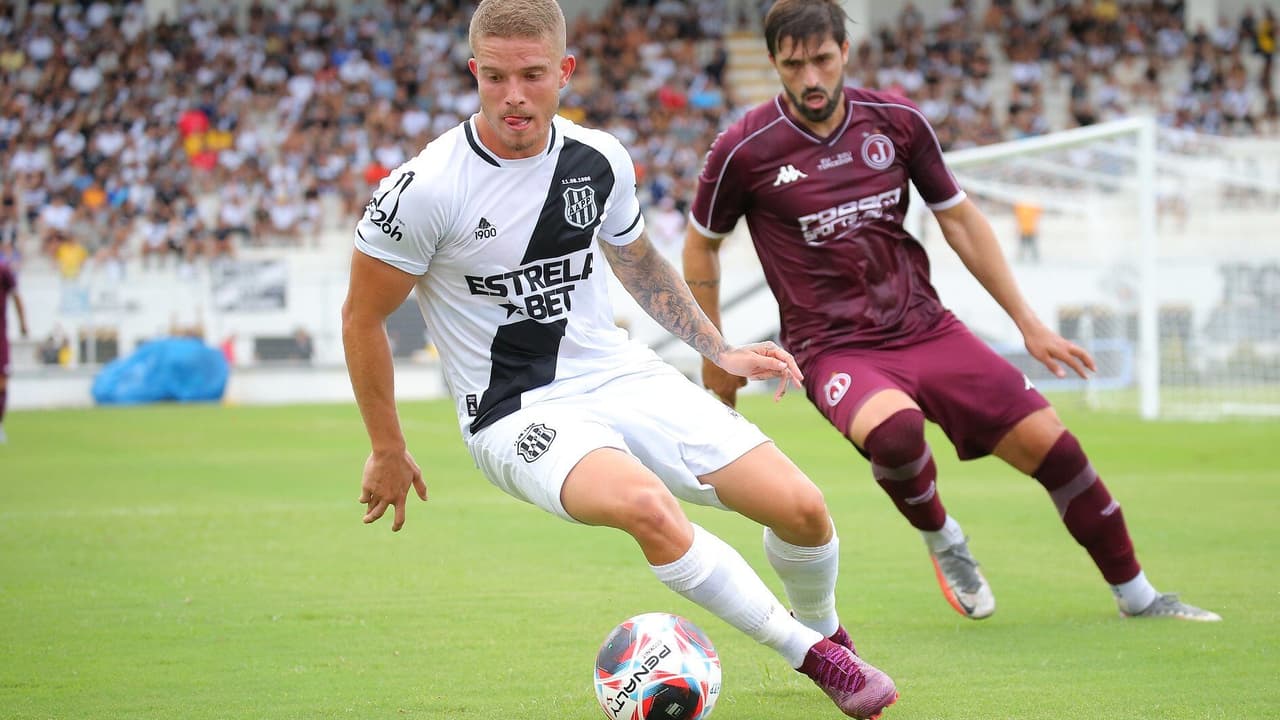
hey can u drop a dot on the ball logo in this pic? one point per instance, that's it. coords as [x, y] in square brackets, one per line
[836, 387]
[534, 441]
[877, 152]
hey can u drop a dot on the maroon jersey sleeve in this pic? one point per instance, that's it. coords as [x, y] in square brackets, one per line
[929, 171]
[720, 199]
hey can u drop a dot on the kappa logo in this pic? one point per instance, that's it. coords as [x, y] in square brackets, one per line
[1027, 384]
[486, 230]
[836, 387]
[788, 174]
[580, 206]
[877, 152]
[534, 441]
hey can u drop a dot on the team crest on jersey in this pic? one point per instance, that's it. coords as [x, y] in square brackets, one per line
[580, 206]
[877, 152]
[836, 387]
[534, 441]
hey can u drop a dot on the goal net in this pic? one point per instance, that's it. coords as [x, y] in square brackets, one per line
[1155, 249]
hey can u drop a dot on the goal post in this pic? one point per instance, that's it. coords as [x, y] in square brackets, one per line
[1155, 249]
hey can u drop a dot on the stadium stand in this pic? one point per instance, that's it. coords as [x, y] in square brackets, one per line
[136, 148]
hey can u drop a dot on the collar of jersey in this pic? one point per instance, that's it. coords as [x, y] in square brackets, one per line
[473, 139]
[796, 125]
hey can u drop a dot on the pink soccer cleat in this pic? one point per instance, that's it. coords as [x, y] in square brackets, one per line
[858, 689]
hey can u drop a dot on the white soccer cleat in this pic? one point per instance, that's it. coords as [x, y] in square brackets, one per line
[962, 582]
[1167, 605]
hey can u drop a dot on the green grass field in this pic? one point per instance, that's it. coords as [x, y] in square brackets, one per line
[209, 562]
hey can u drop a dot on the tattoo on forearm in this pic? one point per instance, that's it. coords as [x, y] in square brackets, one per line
[658, 288]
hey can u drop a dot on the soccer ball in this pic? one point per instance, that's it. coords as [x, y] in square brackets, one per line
[657, 666]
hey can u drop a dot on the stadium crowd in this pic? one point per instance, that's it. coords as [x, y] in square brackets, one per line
[185, 139]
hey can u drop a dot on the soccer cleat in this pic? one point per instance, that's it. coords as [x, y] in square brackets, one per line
[3, 438]
[857, 688]
[841, 638]
[962, 582]
[1168, 605]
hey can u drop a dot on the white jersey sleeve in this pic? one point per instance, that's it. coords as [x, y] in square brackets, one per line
[623, 221]
[403, 222]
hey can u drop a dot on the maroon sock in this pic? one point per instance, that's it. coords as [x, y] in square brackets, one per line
[903, 466]
[1091, 515]
[4, 400]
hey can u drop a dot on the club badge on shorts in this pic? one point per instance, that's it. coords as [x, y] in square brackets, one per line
[534, 441]
[836, 387]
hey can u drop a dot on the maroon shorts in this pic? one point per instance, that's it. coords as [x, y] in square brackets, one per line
[959, 382]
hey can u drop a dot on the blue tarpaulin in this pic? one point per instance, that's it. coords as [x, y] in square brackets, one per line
[181, 369]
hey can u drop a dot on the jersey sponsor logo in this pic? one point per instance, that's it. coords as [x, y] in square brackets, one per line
[818, 227]
[534, 441]
[473, 404]
[788, 174]
[835, 161]
[540, 290]
[836, 387]
[580, 206]
[486, 230]
[382, 210]
[877, 152]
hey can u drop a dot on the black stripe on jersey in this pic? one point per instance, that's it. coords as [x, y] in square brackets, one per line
[471, 140]
[524, 354]
[630, 227]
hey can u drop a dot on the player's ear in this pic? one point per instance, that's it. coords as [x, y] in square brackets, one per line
[474, 67]
[567, 65]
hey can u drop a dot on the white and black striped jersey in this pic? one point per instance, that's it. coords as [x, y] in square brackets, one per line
[512, 286]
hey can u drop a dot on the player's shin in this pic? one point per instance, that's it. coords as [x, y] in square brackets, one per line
[1091, 515]
[808, 577]
[713, 575]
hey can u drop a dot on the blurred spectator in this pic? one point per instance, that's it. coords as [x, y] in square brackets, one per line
[1027, 214]
[303, 347]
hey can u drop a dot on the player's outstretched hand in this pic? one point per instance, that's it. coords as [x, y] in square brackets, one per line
[761, 361]
[724, 384]
[1050, 349]
[387, 477]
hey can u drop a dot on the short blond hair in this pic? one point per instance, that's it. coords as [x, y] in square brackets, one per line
[519, 19]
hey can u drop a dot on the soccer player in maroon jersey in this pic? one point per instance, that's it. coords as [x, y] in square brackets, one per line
[8, 289]
[820, 173]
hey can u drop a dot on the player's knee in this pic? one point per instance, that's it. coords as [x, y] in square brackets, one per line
[897, 441]
[808, 521]
[650, 513]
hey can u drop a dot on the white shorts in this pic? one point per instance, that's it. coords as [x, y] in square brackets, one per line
[673, 427]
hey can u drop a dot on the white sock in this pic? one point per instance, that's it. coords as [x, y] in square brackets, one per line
[715, 576]
[941, 539]
[1135, 595]
[809, 578]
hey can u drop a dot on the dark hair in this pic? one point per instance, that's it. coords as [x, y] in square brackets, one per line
[803, 21]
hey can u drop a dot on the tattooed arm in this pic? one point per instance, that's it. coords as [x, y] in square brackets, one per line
[658, 288]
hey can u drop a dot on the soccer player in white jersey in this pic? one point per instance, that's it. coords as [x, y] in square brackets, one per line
[499, 224]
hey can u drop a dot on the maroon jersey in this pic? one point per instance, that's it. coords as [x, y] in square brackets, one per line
[826, 215]
[8, 284]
